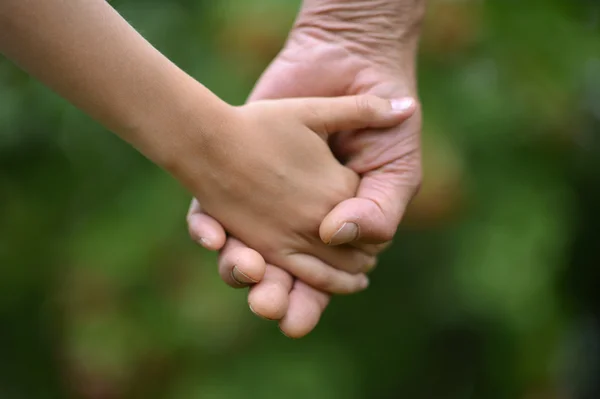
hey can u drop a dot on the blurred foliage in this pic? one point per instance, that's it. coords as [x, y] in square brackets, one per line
[489, 292]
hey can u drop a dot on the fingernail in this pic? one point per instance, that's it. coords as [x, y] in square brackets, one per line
[287, 336]
[204, 242]
[252, 310]
[257, 314]
[240, 277]
[347, 233]
[402, 104]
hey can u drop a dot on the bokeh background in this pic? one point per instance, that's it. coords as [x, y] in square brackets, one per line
[490, 291]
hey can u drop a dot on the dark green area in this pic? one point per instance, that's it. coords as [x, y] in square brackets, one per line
[490, 290]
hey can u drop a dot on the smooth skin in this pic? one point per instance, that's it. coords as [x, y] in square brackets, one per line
[260, 168]
[337, 47]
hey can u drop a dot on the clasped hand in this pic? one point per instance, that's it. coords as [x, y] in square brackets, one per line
[275, 179]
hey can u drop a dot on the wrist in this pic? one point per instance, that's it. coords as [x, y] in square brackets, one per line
[179, 135]
[384, 30]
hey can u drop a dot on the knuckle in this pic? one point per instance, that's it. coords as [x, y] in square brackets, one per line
[364, 105]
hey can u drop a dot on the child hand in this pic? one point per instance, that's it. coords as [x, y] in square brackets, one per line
[272, 179]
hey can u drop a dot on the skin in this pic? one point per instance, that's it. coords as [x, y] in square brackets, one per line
[273, 187]
[336, 47]
[265, 165]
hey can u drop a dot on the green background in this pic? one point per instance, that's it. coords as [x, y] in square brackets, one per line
[490, 290]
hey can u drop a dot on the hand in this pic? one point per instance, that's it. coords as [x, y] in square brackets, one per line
[272, 178]
[318, 60]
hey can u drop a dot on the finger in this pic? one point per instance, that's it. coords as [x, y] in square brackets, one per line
[269, 298]
[389, 162]
[372, 249]
[240, 266]
[306, 305]
[374, 214]
[344, 257]
[204, 229]
[331, 115]
[322, 276]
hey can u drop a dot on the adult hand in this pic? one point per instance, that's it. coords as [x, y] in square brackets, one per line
[338, 47]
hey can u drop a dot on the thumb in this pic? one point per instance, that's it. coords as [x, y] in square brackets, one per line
[373, 216]
[335, 114]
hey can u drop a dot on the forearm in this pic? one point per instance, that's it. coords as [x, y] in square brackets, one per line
[90, 55]
[387, 30]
